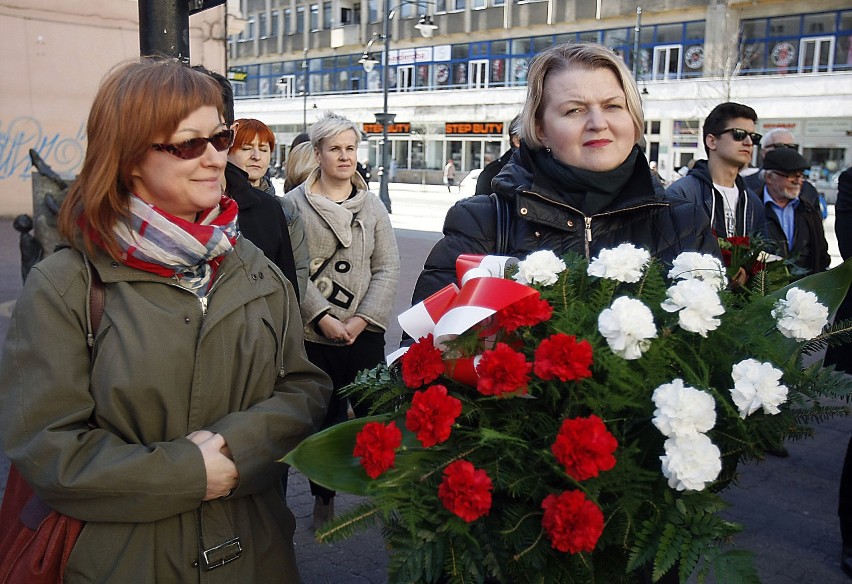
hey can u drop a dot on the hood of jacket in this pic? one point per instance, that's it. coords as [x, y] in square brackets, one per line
[521, 174]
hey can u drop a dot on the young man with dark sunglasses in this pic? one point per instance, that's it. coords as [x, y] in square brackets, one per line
[775, 139]
[729, 140]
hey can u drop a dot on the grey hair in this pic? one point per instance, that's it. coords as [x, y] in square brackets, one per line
[769, 137]
[584, 55]
[331, 125]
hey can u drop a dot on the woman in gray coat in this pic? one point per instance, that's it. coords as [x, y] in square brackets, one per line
[164, 435]
[354, 268]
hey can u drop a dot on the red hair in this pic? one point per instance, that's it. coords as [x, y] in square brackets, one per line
[247, 129]
[138, 104]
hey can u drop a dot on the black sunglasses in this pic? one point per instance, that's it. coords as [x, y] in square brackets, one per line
[779, 145]
[738, 134]
[196, 146]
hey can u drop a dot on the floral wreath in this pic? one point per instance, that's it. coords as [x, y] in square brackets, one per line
[577, 421]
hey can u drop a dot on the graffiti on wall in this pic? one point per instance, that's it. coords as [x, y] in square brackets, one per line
[63, 153]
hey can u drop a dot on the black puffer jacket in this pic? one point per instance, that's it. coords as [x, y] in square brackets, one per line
[540, 219]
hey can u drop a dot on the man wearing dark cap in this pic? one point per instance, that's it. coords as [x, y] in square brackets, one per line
[793, 224]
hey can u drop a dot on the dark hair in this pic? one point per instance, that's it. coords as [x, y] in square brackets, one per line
[300, 139]
[723, 113]
[225, 88]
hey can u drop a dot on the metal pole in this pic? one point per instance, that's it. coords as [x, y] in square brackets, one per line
[164, 28]
[384, 195]
[305, 92]
[636, 55]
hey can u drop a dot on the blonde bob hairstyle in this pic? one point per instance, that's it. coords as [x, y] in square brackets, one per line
[300, 163]
[138, 104]
[561, 57]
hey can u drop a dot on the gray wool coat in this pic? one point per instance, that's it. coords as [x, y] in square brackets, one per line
[362, 277]
[102, 438]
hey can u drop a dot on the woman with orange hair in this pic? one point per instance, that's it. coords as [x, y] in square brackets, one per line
[275, 229]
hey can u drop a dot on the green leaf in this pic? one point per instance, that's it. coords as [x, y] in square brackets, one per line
[326, 458]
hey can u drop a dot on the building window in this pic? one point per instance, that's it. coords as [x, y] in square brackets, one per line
[373, 11]
[314, 17]
[326, 15]
[441, 6]
[261, 25]
[478, 4]
[275, 17]
[288, 22]
[300, 19]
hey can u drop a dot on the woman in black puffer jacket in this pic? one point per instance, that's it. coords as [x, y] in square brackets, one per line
[578, 183]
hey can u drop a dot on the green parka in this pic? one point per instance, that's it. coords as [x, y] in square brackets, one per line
[103, 438]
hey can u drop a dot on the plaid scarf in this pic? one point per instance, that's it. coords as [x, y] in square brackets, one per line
[160, 243]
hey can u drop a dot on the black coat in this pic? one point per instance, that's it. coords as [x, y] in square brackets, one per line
[262, 221]
[492, 169]
[810, 248]
[842, 355]
[540, 219]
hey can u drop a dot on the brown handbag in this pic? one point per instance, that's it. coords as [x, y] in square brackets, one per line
[35, 540]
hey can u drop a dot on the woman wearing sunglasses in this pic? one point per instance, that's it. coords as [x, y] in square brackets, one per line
[578, 183]
[163, 433]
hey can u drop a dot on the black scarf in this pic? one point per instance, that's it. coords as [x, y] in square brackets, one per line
[590, 192]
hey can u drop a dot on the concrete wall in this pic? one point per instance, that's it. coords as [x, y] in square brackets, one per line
[54, 55]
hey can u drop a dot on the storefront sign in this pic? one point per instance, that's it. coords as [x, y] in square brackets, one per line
[237, 75]
[398, 128]
[473, 128]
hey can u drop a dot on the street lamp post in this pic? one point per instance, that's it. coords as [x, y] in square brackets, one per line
[305, 90]
[368, 61]
[636, 55]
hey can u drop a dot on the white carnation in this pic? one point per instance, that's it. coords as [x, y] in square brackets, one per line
[757, 385]
[540, 267]
[683, 410]
[691, 265]
[800, 315]
[691, 461]
[698, 304]
[628, 327]
[624, 263]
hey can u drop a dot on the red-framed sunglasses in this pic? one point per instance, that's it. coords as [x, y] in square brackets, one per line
[195, 147]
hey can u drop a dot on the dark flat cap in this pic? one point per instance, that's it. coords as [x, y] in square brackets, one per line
[785, 160]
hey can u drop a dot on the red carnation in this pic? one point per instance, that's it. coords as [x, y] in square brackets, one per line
[502, 370]
[375, 445]
[422, 363]
[562, 356]
[432, 415]
[573, 523]
[739, 241]
[584, 447]
[466, 491]
[526, 312]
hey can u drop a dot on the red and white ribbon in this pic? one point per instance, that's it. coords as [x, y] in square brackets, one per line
[450, 311]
